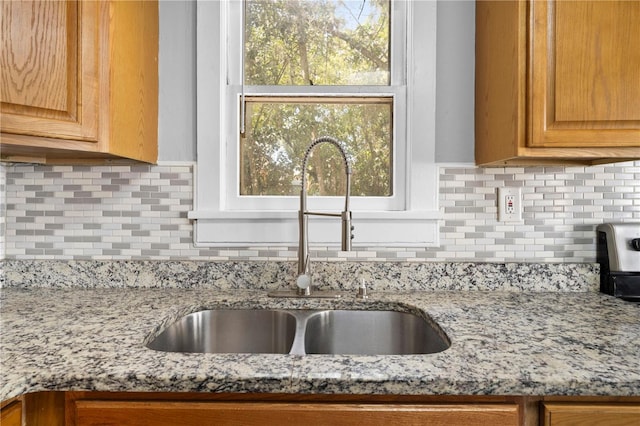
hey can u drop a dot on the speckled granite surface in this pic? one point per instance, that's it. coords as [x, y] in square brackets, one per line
[380, 276]
[519, 343]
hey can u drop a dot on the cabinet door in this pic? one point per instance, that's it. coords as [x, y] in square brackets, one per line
[94, 413]
[48, 64]
[585, 86]
[11, 414]
[574, 414]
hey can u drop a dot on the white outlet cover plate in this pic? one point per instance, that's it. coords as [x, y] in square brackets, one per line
[503, 215]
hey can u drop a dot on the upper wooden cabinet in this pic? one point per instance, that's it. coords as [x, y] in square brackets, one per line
[557, 82]
[79, 81]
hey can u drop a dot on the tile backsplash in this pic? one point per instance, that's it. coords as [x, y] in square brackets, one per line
[140, 212]
[3, 208]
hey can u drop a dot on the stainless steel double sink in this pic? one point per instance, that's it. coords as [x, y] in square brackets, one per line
[301, 332]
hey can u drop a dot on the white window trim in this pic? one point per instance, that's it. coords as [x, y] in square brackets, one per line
[219, 225]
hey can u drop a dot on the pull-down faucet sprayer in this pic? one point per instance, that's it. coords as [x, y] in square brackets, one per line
[304, 273]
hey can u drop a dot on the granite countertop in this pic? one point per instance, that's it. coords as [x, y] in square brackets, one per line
[503, 343]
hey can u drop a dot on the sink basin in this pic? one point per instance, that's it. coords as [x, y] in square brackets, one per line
[229, 331]
[301, 332]
[371, 333]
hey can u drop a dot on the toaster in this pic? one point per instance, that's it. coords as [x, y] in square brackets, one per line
[618, 253]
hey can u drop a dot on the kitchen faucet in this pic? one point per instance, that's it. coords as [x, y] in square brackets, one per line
[304, 272]
[304, 281]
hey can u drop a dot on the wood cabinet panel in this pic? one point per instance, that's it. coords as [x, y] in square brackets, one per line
[161, 408]
[48, 66]
[133, 118]
[93, 413]
[11, 414]
[586, 74]
[557, 82]
[500, 83]
[81, 85]
[597, 66]
[40, 57]
[44, 409]
[592, 414]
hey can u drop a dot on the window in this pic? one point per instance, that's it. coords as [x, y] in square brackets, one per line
[359, 71]
[277, 133]
[291, 48]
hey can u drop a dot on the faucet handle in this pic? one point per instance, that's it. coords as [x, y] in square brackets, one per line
[303, 281]
[304, 284]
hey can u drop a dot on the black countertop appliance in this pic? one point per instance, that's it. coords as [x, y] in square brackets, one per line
[619, 259]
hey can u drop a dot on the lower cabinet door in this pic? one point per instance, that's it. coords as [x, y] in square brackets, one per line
[11, 414]
[591, 414]
[134, 413]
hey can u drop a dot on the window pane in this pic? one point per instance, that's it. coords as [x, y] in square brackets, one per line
[316, 42]
[278, 133]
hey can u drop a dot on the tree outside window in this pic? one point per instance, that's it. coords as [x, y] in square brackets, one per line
[329, 43]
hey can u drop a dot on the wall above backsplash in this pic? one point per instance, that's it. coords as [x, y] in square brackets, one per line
[140, 212]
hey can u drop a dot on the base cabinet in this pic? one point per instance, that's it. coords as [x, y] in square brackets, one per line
[186, 409]
[11, 413]
[592, 414]
[94, 413]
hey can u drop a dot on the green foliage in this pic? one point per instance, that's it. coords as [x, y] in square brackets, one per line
[320, 42]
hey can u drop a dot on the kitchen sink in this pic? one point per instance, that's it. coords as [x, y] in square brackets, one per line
[302, 332]
[229, 331]
[371, 333]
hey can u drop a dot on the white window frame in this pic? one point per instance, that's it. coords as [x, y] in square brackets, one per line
[234, 90]
[223, 219]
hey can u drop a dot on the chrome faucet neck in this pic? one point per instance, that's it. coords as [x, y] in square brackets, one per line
[347, 167]
[304, 272]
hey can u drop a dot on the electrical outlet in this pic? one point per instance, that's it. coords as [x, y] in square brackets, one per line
[509, 205]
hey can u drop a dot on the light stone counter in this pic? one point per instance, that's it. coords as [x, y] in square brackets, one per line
[503, 343]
